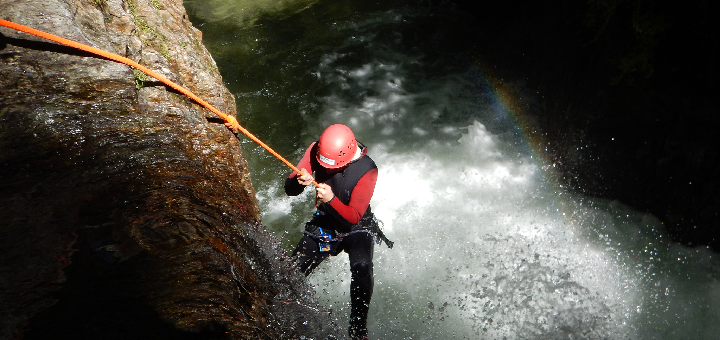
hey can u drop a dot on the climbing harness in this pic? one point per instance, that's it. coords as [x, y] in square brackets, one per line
[374, 228]
[230, 121]
[324, 239]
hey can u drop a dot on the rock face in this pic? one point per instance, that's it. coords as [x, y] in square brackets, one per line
[126, 209]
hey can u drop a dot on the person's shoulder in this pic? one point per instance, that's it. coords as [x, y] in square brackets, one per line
[366, 163]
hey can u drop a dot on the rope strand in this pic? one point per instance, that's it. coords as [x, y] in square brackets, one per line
[230, 121]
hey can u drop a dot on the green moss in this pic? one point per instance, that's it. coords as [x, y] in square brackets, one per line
[140, 78]
[156, 4]
[143, 25]
[164, 51]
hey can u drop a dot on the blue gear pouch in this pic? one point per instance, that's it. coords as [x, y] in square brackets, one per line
[324, 241]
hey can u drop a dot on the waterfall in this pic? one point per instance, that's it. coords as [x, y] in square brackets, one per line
[487, 244]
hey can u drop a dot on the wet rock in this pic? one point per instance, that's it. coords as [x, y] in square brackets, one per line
[126, 209]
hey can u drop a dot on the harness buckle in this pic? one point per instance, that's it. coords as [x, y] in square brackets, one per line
[324, 241]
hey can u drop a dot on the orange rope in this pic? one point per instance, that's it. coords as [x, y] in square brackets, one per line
[230, 121]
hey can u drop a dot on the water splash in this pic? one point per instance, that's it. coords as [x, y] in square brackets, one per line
[487, 244]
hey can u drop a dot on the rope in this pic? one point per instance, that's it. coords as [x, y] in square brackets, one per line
[230, 121]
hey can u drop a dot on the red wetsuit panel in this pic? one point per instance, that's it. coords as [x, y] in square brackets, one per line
[361, 193]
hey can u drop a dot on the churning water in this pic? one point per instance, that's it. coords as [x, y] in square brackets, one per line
[487, 245]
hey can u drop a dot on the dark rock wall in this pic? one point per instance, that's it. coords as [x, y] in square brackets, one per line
[126, 209]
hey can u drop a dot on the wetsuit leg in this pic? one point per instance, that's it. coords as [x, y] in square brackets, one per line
[360, 250]
[308, 255]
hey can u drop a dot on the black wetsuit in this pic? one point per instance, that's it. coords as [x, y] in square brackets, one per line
[357, 243]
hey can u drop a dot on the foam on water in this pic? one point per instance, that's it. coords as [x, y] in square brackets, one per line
[487, 246]
[487, 250]
[480, 250]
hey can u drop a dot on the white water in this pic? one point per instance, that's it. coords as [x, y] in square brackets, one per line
[486, 249]
[486, 245]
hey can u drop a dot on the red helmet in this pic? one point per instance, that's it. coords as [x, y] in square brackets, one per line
[337, 146]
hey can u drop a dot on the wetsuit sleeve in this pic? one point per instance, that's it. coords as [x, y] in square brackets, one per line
[292, 187]
[359, 200]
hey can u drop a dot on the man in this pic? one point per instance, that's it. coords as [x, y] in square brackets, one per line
[346, 179]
